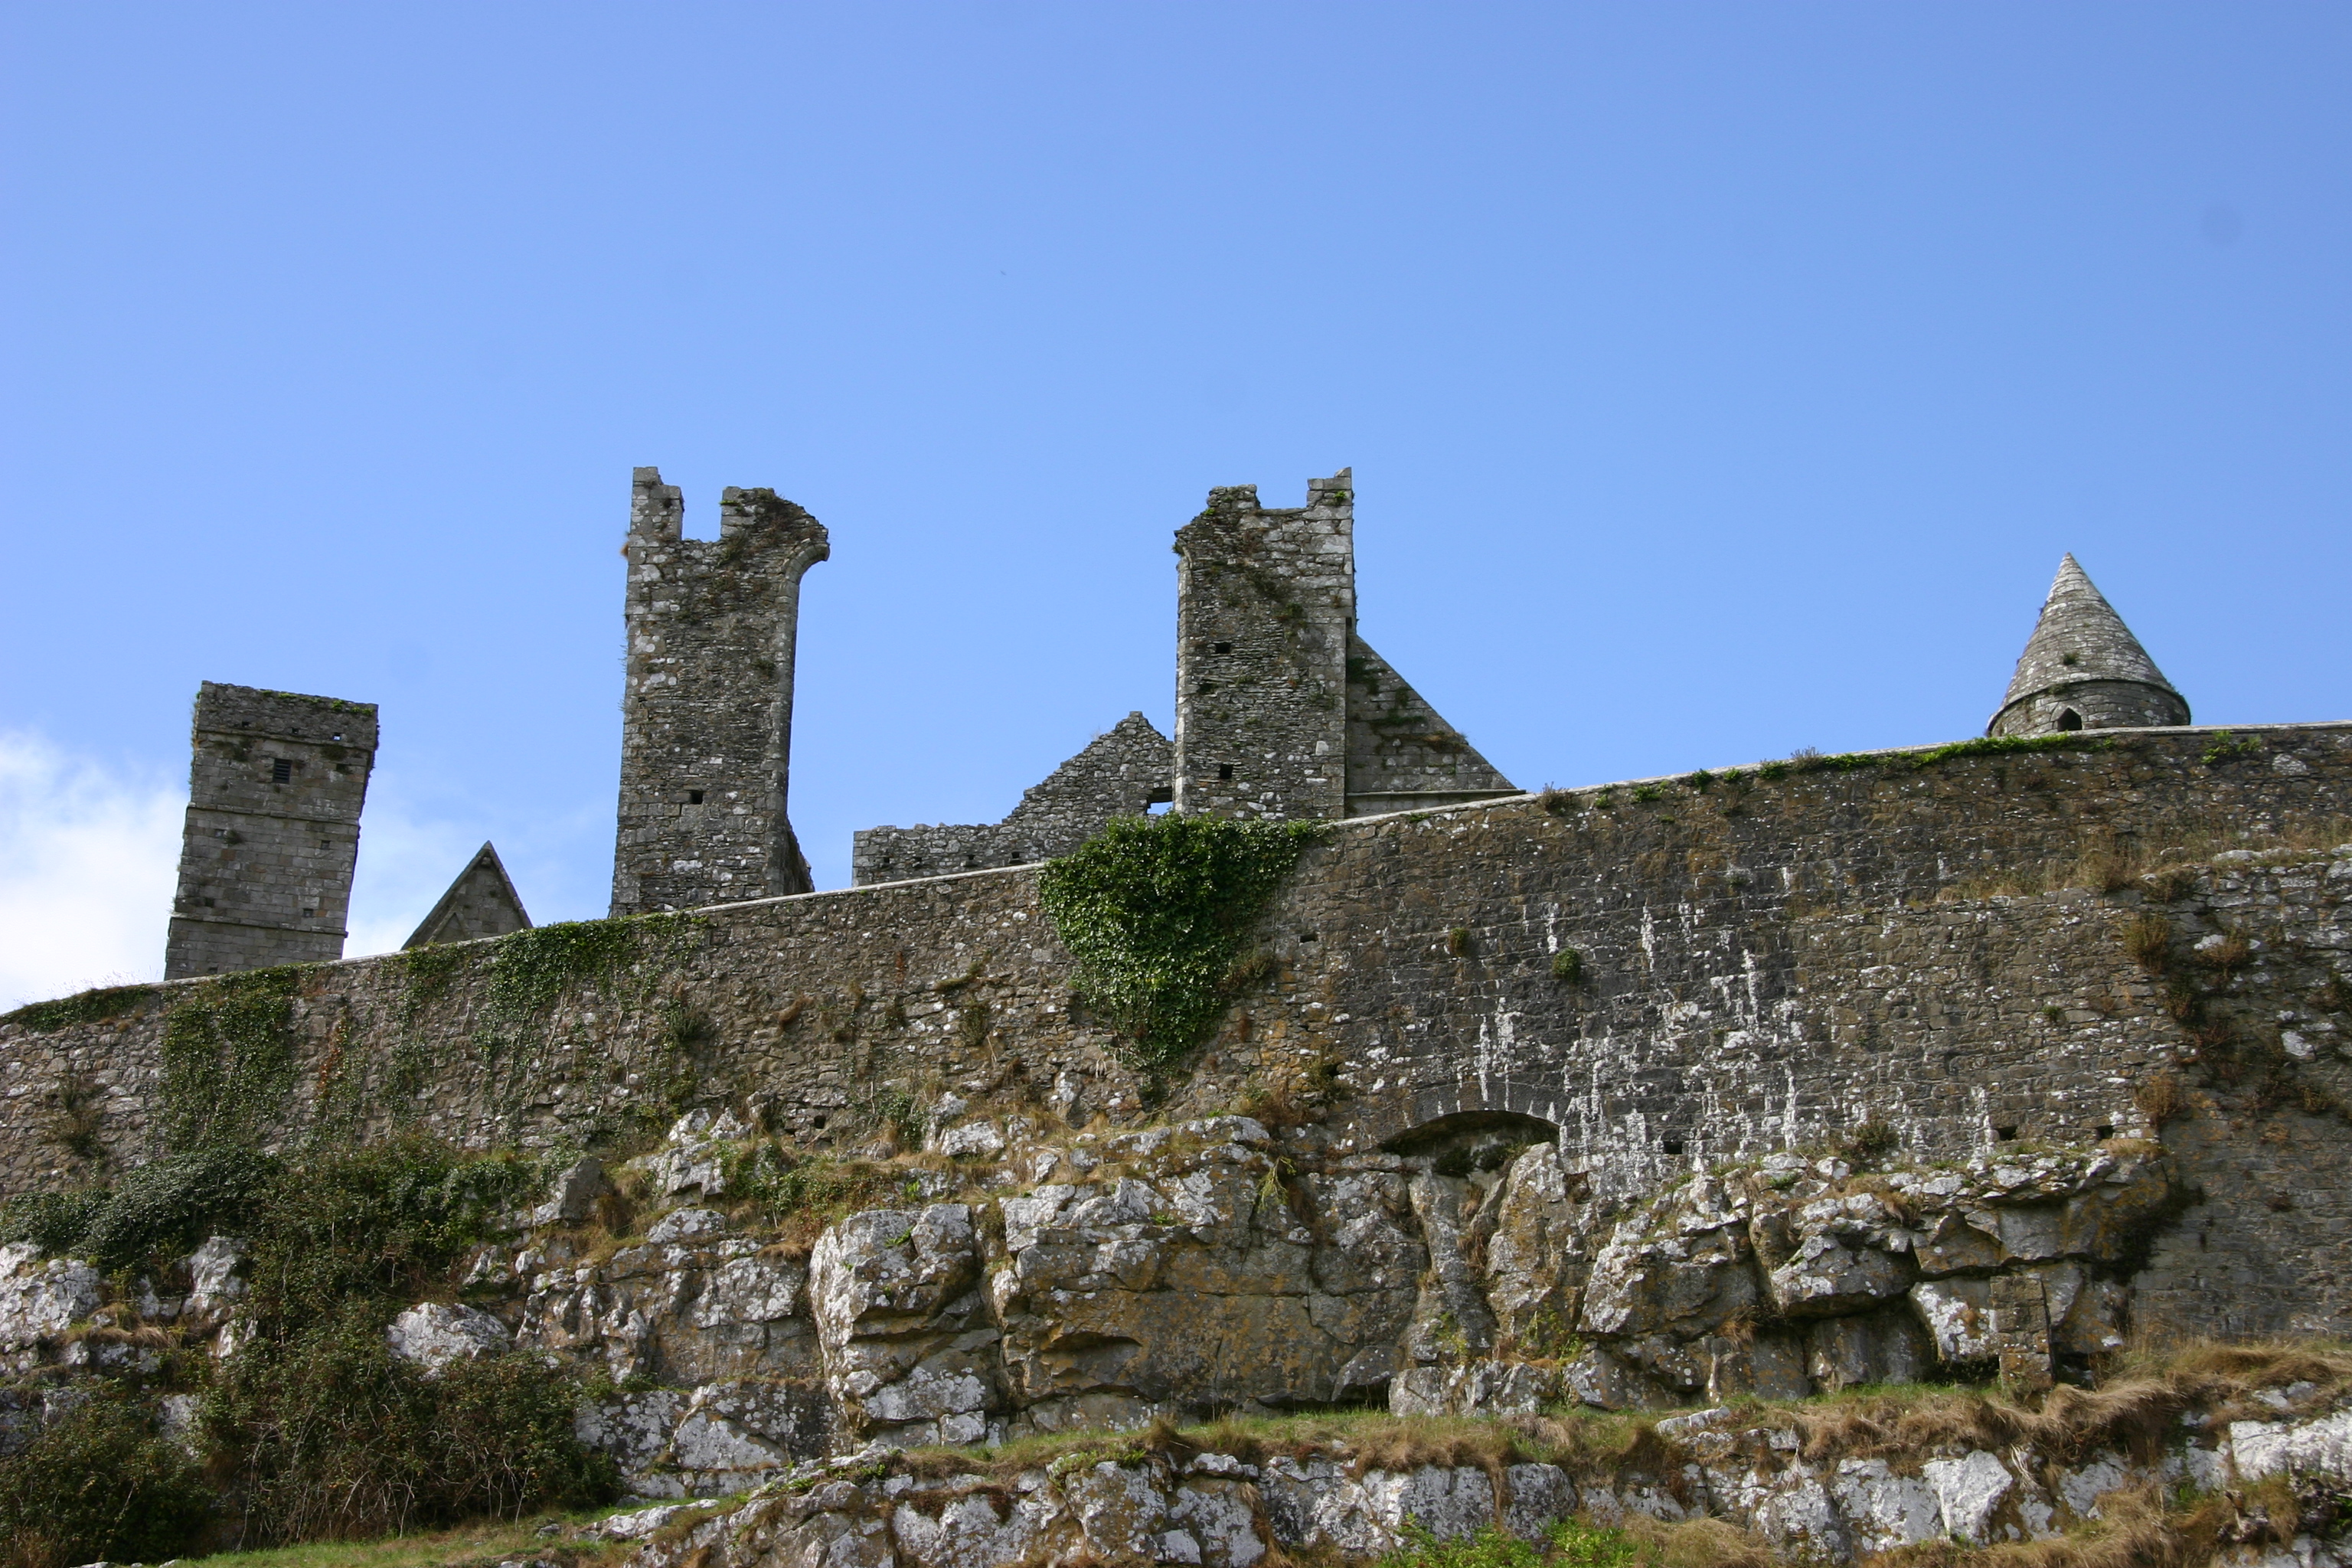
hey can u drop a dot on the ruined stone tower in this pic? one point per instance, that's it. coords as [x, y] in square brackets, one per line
[273, 830]
[1281, 710]
[707, 713]
[1265, 604]
[2083, 669]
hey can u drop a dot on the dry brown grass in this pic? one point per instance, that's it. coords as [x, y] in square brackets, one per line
[1695, 1544]
[2159, 1096]
[2167, 870]
[2136, 1529]
[2136, 1411]
[2148, 940]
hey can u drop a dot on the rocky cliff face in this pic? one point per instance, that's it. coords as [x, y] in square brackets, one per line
[1097, 1282]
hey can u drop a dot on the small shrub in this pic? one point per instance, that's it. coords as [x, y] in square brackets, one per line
[2159, 1097]
[1568, 966]
[2148, 940]
[1557, 802]
[162, 1209]
[1869, 1142]
[899, 1118]
[101, 1483]
[2226, 746]
[74, 1116]
[335, 1436]
[1648, 792]
[1457, 941]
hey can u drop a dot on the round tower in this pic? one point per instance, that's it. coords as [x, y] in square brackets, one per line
[2083, 669]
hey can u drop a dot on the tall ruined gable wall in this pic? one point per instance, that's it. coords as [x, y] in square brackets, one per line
[1767, 963]
[707, 710]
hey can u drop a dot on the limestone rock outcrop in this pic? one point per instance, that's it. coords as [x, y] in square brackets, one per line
[1791, 1488]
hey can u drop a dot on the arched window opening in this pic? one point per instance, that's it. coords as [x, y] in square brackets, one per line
[2069, 720]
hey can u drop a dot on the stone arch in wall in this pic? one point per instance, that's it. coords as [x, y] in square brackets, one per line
[2069, 720]
[1472, 1139]
[1445, 1112]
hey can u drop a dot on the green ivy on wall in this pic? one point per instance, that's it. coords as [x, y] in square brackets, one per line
[1155, 911]
[228, 1057]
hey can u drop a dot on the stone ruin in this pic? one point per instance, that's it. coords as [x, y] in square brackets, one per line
[1975, 1061]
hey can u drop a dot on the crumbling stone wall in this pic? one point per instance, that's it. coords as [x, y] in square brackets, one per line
[275, 789]
[1763, 964]
[707, 710]
[1122, 773]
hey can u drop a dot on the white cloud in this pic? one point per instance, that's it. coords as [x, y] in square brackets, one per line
[89, 854]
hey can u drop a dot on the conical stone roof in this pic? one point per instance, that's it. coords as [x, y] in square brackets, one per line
[2083, 669]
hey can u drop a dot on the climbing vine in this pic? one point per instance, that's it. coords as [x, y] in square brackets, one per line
[228, 1057]
[529, 969]
[1155, 911]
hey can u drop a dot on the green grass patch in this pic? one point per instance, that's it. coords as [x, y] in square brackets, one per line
[82, 1007]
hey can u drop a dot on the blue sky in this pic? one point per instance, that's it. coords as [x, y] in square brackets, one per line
[1718, 380]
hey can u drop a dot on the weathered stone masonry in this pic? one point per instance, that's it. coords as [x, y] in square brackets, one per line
[706, 714]
[1122, 773]
[1768, 962]
[273, 830]
[1281, 710]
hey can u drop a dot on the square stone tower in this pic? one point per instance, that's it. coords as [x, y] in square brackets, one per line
[1265, 600]
[273, 830]
[1281, 710]
[707, 712]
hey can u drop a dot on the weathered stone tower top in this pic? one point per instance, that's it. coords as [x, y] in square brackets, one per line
[707, 712]
[273, 830]
[1265, 600]
[1281, 710]
[2083, 669]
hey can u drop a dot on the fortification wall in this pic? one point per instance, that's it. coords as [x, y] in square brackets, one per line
[1767, 962]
